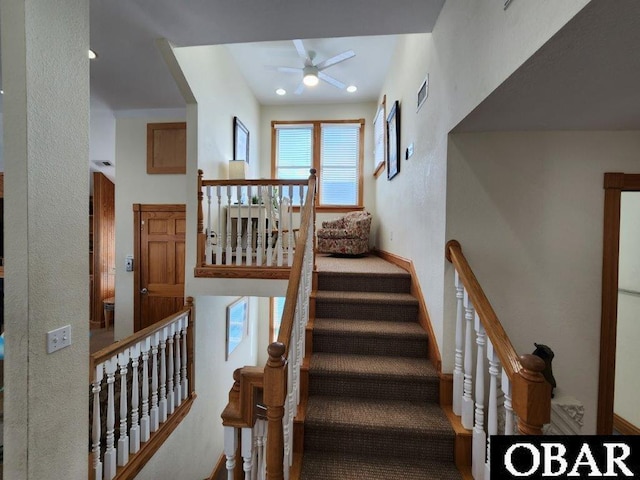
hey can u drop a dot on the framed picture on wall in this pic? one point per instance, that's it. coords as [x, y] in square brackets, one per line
[237, 323]
[240, 140]
[379, 134]
[393, 141]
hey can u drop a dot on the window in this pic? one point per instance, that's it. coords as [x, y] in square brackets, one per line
[277, 307]
[333, 148]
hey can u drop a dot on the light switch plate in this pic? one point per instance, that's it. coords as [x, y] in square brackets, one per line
[58, 338]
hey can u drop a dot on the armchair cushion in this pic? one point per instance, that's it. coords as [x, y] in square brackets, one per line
[348, 235]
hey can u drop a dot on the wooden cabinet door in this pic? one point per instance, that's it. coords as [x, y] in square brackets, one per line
[162, 263]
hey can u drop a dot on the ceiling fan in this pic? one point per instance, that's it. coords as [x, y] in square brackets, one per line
[313, 72]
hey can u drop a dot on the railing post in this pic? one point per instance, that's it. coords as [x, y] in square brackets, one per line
[274, 398]
[201, 260]
[531, 396]
[313, 214]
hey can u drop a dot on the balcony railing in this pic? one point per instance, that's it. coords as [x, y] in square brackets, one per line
[248, 227]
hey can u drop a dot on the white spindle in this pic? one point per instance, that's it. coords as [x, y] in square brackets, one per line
[162, 404]
[260, 431]
[110, 452]
[458, 376]
[290, 243]
[281, 215]
[246, 450]
[492, 421]
[134, 430]
[154, 417]
[177, 387]
[209, 247]
[260, 227]
[185, 380]
[219, 239]
[123, 439]
[96, 424]
[230, 446]
[509, 424]
[479, 435]
[239, 226]
[229, 248]
[270, 226]
[467, 395]
[249, 251]
[145, 346]
[169, 332]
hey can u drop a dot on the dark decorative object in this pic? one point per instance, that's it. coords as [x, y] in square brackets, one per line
[240, 140]
[546, 354]
[393, 141]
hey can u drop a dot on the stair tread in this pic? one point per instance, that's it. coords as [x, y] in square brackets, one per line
[376, 328]
[377, 415]
[371, 366]
[365, 297]
[341, 466]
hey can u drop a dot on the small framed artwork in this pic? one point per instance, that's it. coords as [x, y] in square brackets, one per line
[237, 322]
[379, 133]
[240, 140]
[393, 141]
[423, 93]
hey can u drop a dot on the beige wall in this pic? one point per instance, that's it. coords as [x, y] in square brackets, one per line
[528, 211]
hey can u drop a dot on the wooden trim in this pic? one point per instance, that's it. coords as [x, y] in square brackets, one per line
[221, 466]
[242, 271]
[625, 427]
[423, 313]
[137, 304]
[462, 442]
[1, 184]
[446, 389]
[614, 185]
[152, 168]
[253, 183]
[103, 243]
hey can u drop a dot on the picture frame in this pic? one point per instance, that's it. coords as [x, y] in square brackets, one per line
[240, 140]
[393, 141]
[379, 138]
[237, 324]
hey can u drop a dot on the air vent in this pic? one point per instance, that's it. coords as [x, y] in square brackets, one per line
[103, 163]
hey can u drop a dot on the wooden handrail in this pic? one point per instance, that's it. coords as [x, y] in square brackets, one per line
[531, 392]
[257, 182]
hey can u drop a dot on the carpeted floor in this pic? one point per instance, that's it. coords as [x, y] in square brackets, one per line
[372, 412]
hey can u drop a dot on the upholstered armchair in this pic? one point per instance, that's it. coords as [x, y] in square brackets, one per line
[348, 235]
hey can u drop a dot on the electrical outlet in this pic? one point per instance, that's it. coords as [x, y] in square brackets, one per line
[58, 338]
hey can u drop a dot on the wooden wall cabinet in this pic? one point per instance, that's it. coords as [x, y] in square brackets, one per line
[167, 147]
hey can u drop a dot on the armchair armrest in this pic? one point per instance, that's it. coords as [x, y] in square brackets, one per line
[339, 223]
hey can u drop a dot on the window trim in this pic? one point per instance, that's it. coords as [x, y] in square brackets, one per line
[317, 139]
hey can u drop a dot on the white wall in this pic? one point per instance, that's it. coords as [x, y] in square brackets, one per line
[627, 385]
[134, 185]
[102, 137]
[528, 211]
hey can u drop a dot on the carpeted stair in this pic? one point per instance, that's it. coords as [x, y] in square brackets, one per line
[372, 412]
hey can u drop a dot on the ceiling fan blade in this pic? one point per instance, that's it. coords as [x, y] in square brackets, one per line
[331, 80]
[341, 57]
[301, 50]
[289, 69]
[299, 89]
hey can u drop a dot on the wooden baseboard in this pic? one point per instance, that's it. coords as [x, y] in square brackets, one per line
[446, 389]
[623, 426]
[219, 468]
[462, 443]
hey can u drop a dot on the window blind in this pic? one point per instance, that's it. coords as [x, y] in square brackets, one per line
[339, 157]
[294, 147]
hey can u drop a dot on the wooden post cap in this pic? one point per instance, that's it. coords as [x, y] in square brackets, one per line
[533, 363]
[276, 350]
[451, 243]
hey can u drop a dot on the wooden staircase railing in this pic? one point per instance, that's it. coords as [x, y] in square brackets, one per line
[279, 379]
[526, 392]
[132, 416]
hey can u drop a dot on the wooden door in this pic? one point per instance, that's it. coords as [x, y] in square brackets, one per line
[160, 285]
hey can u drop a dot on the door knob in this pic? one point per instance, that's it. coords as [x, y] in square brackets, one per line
[144, 291]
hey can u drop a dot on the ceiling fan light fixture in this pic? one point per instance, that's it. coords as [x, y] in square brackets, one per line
[310, 78]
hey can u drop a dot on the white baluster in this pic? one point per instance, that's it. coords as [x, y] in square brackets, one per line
[239, 227]
[479, 435]
[209, 247]
[290, 243]
[260, 227]
[162, 404]
[110, 452]
[145, 346]
[134, 430]
[249, 251]
[123, 439]
[246, 448]
[492, 422]
[230, 446]
[177, 388]
[467, 395]
[280, 220]
[96, 424]
[260, 429]
[458, 376]
[170, 331]
[185, 380]
[509, 424]
[154, 417]
[229, 248]
[270, 226]
[220, 236]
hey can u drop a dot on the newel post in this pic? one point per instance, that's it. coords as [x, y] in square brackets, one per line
[275, 384]
[531, 396]
[201, 261]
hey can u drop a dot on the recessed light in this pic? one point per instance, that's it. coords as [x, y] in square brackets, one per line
[281, 91]
[92, 55]
[351, 88]
[1, 92]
